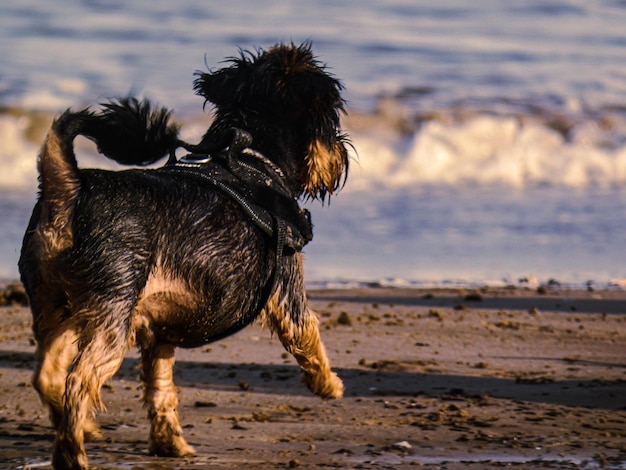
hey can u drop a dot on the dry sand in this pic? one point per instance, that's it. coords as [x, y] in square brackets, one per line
[438, 379]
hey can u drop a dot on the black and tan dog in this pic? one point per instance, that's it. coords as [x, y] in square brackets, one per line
[184, 254]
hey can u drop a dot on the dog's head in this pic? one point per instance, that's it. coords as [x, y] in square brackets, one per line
[291, 105]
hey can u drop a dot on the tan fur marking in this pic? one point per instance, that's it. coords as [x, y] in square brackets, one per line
[159, 281]
[161, 296]
[60, 188]
[304, 343]
[324, 167]
[166, 434]
[96, 363]
[54, 358]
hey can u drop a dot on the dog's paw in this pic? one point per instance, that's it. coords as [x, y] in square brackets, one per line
[327, 386]
[67, 456]
[92, 432]
[334, 387]
[177, 447]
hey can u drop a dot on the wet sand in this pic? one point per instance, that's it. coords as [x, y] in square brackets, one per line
[436, 379]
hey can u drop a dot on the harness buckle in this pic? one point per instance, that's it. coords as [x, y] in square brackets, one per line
[196, 158]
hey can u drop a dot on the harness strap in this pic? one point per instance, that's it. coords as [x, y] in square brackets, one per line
[279, 236]
[263, 221]
[262, 195]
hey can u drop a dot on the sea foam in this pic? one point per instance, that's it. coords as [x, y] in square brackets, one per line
[488, 150]
[480, 150]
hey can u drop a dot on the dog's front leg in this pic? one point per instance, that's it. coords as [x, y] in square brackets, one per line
[297, 327]
[166, 434]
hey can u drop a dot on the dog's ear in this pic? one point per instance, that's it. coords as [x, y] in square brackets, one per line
[312, 97]
[220, 88]
[228, 87]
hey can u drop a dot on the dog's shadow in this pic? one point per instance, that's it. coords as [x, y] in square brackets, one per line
[366, 382]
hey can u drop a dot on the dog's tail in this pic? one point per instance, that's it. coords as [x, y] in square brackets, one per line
[126, 130]
[58, 180]
[133, 132]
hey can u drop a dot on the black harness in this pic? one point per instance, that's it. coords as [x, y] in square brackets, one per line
[258, 187]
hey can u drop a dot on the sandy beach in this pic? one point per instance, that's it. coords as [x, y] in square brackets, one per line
[449, 379]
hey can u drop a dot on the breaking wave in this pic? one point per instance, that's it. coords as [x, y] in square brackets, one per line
[479, 147]
[458, 147]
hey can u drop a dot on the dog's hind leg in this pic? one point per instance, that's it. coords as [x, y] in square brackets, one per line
[101, 347]
[56, 350]
[166, 434]
[54, 357]
[297, 327]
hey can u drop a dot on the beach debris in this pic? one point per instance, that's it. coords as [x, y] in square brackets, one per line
[344, 319]
[13, 294]
[439, 315]
[508, 324]
[402, 445]
[237, 426]
[204, 404]
[473, 297]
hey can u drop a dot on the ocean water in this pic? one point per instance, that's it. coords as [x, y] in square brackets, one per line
[490, 136]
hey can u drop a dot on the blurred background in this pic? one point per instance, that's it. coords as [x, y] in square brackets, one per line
[490, 136]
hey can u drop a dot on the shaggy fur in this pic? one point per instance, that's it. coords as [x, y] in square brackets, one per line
[166, 259]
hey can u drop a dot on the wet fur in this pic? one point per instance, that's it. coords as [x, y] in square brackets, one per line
[144, 256]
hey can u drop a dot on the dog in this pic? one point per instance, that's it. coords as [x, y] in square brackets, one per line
[186, 253]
